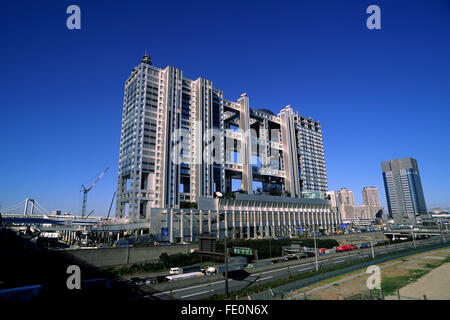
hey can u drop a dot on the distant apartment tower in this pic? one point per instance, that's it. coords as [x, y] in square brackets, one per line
[345, 197]
[371, 196]
[403, 188]
[342, 201]
[167, 116]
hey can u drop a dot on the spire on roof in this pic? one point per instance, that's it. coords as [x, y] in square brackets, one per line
[146, 59]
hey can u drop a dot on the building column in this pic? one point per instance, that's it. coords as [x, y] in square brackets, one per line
[200, 221]
[241, 225]
[171, 226]
[191, 226]
[218, 224]
[181, 226]
[225, 219]
[279, 222]
[289, 223]
[209, 222]
[254, 224]
[272, 213]
[233, 221]
[260, 225]
[248, 224]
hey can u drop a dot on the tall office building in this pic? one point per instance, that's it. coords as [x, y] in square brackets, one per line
[403, 188]
[182, 140]
[371, 196]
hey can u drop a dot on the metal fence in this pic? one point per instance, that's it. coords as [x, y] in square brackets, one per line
[378, 295]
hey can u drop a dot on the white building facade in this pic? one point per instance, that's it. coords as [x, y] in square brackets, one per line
[181, 140]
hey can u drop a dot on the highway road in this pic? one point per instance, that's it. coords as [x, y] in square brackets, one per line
[218, 287]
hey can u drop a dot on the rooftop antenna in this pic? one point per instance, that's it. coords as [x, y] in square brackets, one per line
[146, 58]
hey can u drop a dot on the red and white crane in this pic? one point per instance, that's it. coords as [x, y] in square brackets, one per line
[86, 190]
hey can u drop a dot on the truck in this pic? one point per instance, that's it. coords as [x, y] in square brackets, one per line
[186, 269]
[327, 251]
[183, 276]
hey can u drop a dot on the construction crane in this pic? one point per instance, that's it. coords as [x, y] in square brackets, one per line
[86, 190]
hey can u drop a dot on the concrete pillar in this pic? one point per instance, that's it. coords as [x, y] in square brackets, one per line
[241, 225]
[261, 233]
[225, 219]
[200, 222]
[209, 221]
[290, 223]
[191, 226]
[171, 225]
[279, 222]
[233, 222]
[218, 224]
[181, 226]
[248, 224]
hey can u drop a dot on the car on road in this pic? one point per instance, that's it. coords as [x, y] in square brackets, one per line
[151, 280]
[210, 271]
[347, 247]
[175, 271]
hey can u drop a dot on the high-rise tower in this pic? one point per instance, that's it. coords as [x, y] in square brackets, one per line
[403, 188]
[181, 140]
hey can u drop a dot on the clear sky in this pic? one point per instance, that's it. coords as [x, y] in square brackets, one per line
[379, 94]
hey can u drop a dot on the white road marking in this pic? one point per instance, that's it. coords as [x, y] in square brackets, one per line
[265, 278]
[196, 294]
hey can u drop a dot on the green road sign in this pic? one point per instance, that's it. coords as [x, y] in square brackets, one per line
[243, 251]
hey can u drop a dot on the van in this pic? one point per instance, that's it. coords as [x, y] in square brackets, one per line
[211, 270]
[175, 271]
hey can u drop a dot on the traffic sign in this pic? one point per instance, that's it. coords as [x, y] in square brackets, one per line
[343, 225]
[243, 251]
[300, 229]
[164, 231]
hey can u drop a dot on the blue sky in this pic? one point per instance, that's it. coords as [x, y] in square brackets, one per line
[379, 94]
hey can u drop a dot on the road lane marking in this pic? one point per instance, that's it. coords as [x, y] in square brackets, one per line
[265, 278]
[196, 294]
[193, 287]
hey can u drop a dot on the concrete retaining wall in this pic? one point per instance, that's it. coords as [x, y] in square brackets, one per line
[353, 238]
[104, 257]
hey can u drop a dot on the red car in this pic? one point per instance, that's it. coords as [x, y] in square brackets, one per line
[346, 247]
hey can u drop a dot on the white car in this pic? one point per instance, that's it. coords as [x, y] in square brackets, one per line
[175, 271]
[211, 270]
